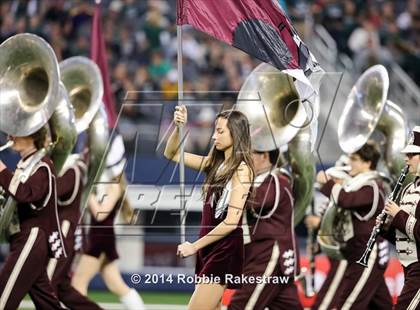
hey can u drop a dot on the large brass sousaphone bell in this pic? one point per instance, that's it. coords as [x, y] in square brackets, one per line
[367, 110]
[29, 79]
[363, 109]
[277, 118]
[32, 96]
[271, 103]
[83, 81]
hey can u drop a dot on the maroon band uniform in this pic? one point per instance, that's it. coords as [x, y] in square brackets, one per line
[270, 247]
[221, 260]
[350, 285]
[69, 190]
[405, 233]
[25, 269]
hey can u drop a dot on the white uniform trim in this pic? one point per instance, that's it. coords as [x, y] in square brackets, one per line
[362, 281]
[50, 176]
[57, 218]
[407, 251]
[25, 168]
[277, 198]
[409, 227]
[414, 302]
[334, 285]
[359, 181]
[20, 178]
[75, 189]
[52, 263]
[245, 229]
[374, 203]
[275, 254]
[292, 221]
[18, 267]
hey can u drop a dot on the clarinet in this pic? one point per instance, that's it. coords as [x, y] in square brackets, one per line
[382, 218]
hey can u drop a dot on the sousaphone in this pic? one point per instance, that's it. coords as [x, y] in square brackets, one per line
[83, 81]
[367, 110]
[29, 84]
[278, 118]
[31, 97]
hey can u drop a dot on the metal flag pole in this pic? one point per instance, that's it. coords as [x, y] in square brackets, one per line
[181, 135]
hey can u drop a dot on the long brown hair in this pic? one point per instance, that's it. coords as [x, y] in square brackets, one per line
[239, 129]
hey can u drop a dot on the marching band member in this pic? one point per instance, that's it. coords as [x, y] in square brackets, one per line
[229, 175]
[33, 186]
[405, 229]
[313, 221]
[70, 185]
[361, 198]
[270, 245]
[100, 254]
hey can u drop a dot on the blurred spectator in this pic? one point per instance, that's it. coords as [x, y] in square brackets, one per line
[154, 25]
[374, 31]
[158, 66]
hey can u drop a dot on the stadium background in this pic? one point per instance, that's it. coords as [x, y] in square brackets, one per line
[345, 37]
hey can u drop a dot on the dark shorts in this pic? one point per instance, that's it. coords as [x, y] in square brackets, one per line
[222, 260]
[104, 243]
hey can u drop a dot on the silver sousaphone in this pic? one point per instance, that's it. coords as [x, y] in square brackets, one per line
[277, 118]
[29, 84]
[31, 97]
[83, 81]
[367, 110]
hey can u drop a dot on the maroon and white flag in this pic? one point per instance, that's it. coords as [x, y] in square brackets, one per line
[257, 27]
[261, 29]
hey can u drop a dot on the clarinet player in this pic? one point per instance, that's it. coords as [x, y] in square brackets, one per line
[404, 227]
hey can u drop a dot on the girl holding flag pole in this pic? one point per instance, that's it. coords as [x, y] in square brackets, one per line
[229, 176]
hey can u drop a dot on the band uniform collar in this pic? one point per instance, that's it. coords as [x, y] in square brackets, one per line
[24, 162]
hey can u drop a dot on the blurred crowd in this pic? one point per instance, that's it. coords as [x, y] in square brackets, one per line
[142, 48]
[374, 31]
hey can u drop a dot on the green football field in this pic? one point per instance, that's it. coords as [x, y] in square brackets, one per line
[148, 297]
[153, 300]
